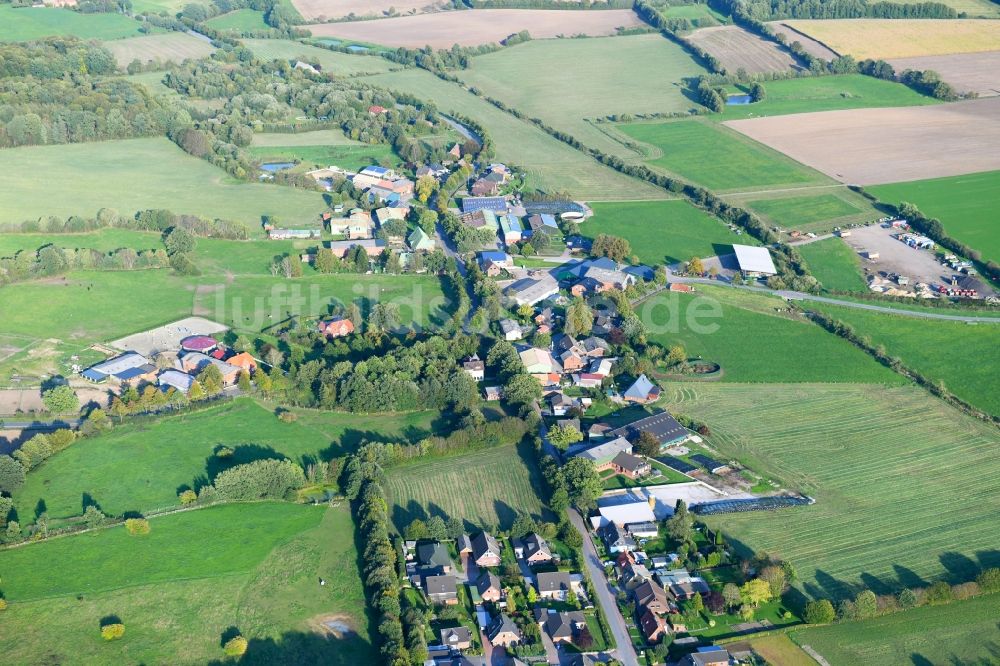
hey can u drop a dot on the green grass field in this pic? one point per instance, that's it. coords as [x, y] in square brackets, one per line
[662, 231]
[158, 6]
[964, 204]
[834, 264]
[551, 165]
[178, 590]
[779, 649]
[240, 20]
[321, 148]
[23, 24]
[806, 213]
[136, 174]
[141, 467]
[700, 14]
[753, 342]
[483, 488]
[906, 487]
[583, 78]
[717, 157]
[953, 352]
[171, 47]
[332, 62]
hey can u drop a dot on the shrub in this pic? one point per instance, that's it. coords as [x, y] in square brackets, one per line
[938, 593]
[3, 604]
[261, 479]
[989, 580]
[964, 591]
[137, 526]
[236, 646]
[908, 599]
[112, 632]
[188, 497]
[819, 612]
[288, 417]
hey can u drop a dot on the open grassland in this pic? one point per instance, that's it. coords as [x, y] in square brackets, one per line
[964, 632]
[716, 157]
[330, 62]
[480, 26]
[196, 576]
[754, 339]
[902, 38]
[834, 264]
[737, 48]
[872, 146]
[551, 165]
[483, 488]
[171, 47]
[321, 148]
[331, 9]
[133, 469]
[956, 353]
[22, 24]
[812, 212]
[136, 174]
[906, 487]
[158, 6]
[662, 232]
[240, 20]
[966, 206]
[977, 73]
[779, 649]
[699, 14]
[583, 78]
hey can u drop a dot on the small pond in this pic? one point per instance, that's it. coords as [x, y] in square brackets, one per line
[738, 100]
[357, 49]
[271, 167]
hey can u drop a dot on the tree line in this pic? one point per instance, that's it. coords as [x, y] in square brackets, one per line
[767, 10]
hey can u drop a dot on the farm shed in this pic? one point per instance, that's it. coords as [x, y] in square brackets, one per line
[754, 261]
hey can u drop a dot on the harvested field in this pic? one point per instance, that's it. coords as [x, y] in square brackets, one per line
[873, 146]
[977, 73]
[172, 47]
[902, 38]
[811, 46]
[335, 9]
[734, 47]
[974, 8]
[480, 26]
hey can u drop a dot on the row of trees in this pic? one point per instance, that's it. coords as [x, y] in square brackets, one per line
[768, 10]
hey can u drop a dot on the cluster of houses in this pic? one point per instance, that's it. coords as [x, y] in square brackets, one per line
[176, 369]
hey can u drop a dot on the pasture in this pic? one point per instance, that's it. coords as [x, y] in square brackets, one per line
[333, 9]
[813, 212]
[779, 649]
[964, 632]
[754, 339]
[330, 62]
[716, 157]
[136, 174]
[906, 487]
[471, 28]
[551, 165]
[948, 351]
[483, 488]
[873, 146]
[256, 571]
[661, 232]
[902, 38]
[701, 15]
[130, 468]
[977, 73]
[26, 23]
[240, 21]
[584, 79]
[346, 157]
[737, 48]
[171, 47]
[964, 204]
[834, 264]
[158, 6]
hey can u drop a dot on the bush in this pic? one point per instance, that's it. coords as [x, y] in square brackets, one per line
[236, 646]
[989, 580]
[3, 604]
[137, 526]
[261, 479]
[938, 593]
[188, 497]
[288, 417]
[819, 612]
[112, 632]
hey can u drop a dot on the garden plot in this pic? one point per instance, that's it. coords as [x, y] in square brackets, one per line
[977, 73]
[737, 49]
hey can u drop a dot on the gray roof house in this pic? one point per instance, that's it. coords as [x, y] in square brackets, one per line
[441, 589]
[434, 554]
[553, 585]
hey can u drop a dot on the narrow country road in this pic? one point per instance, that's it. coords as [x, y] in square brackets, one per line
[605, 596]
[39, 425]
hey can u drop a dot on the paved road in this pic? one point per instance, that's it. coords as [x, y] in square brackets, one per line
[605, 595]
[38, 425]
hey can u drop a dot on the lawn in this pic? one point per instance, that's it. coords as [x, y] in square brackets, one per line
[779, 649]
[483, 488]
[583, 78]
[332, 62]
[754, 340]
[190, 582]
[953, 352]
[662, 231]
[551, 165]
[136, 174]
[23, 24]
[171, 47]
[140, 467]
[240, 20]
[717, 157]
[964, 204]
[350, 157]
[964, 632]
[834, 264]
[907, 488]
[815, 212]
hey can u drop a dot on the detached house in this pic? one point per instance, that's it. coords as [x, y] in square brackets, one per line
[488, 587]
[535, 549]
[456, 638]
[485, 550]
[441, 590]
[642, 391]
[553, 585]
[653, 626]
[652, 597]
[630, 466]
[337, 327]
[475, 367]
[503, 631]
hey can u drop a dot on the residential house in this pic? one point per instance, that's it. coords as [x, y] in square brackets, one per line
[434, 555]
[495, 204]
[603, 454]
[503, 632]
[509, 229]
[463, 544]
[479, 219]
[376, 110]
[486, 187]
[441, 589]
[540, 364]
[493, 393]
[456, 638]
[630, 466]
[486, 550]
[616, 539]
[560, 403]
[553, 585]
[543, 223]
[455, 151]
[682, 585]
[359, 225]
[495, 262]
[175, 379]
[243, 360]
[602, 367]
[587, 380]
[754, 261]
[532, 290]
[488, 586]
[598, 278]
[572, 361]
[511, 330]
[651, 596]
[475, 367]
[561, 627]
[595, 347]
[336, 327]
[633, 575]
[535, 549]
[712, 655]
[194, 362]
[373, 247]
[131, 368]
[420, 241]
[661, 425]
[653, 626]
[598, 431]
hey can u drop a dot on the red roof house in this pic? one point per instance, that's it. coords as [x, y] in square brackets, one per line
[336, 328]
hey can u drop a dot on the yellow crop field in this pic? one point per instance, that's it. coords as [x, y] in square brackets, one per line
[903, 38]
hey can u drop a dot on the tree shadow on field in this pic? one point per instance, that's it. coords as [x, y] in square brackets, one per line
[403, 516]
[961, 568]
[436, 510]
[908, 578]
[506, 514]
[988, 559]
[876, 585]
[88, 500]
[920, 660]
[110, 619]
[305, 649]
[229, 634]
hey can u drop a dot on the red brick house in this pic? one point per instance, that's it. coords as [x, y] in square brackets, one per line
[337, 327]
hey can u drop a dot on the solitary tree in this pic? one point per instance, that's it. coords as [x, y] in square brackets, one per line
[819, 612]
[61, 400]
[695, 266]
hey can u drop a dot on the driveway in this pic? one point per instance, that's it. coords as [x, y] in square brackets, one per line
[551, 652]
[605, 595]
[470, 570]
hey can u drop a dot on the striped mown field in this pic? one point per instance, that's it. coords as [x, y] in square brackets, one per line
[905, 486]
[482, 488]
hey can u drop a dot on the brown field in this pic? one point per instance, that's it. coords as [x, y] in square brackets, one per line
[335, 9]
[811, 46]
[902, 38]
[736, 48]
[173, 46]
[967, 72]
[478, 26]
[872, 146]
